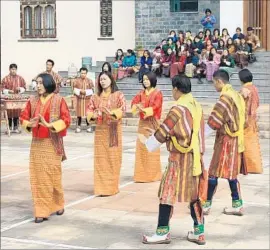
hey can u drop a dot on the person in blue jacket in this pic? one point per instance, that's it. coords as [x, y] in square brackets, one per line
[146, 64]
[208, 20]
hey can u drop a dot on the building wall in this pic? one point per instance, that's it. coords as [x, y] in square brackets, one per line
[154, 20]
[78, 27]
[231, 15]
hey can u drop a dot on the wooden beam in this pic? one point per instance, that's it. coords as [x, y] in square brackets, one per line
[245, 15]
[268, 25]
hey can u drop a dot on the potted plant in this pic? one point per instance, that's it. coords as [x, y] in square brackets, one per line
[139, 48]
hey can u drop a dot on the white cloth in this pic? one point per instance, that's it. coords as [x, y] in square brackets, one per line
[34, 85]
[89, 92]
[77, 91]
[152, 144]
[208, 131]
[5, 91]
[22, 90]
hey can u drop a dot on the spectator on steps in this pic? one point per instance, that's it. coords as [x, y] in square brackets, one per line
[221, 47]
[231, 47]
[157, 56]
[169, 44]
[212, 64]
[238, 35]
[227, 62]
[207, 35]
[178, 66]
[252, 40]
[173, 35]
[209, 20]
[241, 57]
[128, 65]
[167, 61]
[225, 36]
[216, 37]
[117, 63]
[197, 45]
[146, 64]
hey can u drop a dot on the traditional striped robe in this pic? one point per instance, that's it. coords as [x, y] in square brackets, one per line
[226, 161]
[108, 141]
[252, 154]
[147, 164]
[82, 100]
[12, 83]
[178, 181]
[47, 152]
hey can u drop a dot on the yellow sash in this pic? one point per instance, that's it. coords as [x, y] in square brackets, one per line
[195, 109]
[240, 104]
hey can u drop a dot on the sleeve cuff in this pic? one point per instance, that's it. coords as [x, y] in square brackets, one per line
[24, 126]
[117, 113]
[5, 91]
[148, 112]
[208, 131]
[89, 116]
[22, 90]
[152, 144]
[58, 126]
[134, 110]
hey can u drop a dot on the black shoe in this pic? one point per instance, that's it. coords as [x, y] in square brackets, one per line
[60, 212]
[40, 220]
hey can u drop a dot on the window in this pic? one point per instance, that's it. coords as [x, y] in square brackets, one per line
[184, 5]
[106, 18]
[38, 19]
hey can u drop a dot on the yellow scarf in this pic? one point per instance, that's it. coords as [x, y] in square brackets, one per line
[195, 109]
[240, 104]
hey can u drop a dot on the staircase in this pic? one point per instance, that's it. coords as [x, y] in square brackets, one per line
[205, 93]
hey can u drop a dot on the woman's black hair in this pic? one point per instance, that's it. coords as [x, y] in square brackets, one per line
[245, 76]
[109, 67]
[221, 41]
[226, 30]
[238, 28]
[152, 78]
[211, 56]
[210, 36]
[116, 54]
[182, 83]
[208, 10]
[172, 31]
[48, 82]
[215, 31]
[148, 53]
[114, 87]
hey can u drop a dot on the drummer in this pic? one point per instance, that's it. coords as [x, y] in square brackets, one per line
[13, 84]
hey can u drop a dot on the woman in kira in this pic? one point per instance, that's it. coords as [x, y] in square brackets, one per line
[47, 116]
[106, 109]
[148, 102]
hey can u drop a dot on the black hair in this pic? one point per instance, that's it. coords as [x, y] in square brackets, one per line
[222, 75]
[181, 32]
[158, 47]
[83, 69]
[13, 66]
[211, 56]
[130, 51]
[249, 28]
[152, 78]
[51, 61]
[116, 54]
[48, 82]
[215, 31]
[226, 30]
[182, 83]
[188, 31]
[172, 31]
[219, 44]
[245, 76]
[148, 53]
[169, 38]
[238, 28]
[208, 10]
[109, 67]
[210, 36]
[114, 87]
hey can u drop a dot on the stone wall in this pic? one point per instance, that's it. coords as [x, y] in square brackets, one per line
[153, 20]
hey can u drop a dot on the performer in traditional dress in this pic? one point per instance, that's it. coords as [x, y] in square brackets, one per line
[47, 116]
[252, 154]
[183, 132]
[148, 103]
[106, 109]
[228, 119]
[83, 89]
[56, 77]
[13, 84]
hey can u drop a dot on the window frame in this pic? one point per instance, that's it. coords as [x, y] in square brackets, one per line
[33, 4]
[108, 33]
[174, 10]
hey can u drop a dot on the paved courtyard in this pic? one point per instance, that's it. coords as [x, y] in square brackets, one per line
[120, 221]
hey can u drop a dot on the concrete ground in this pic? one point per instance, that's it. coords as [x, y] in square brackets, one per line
[120, 221]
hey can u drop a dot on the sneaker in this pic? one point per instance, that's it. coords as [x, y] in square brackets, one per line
[207, 207]
[78, 130]
[162, 236]
[16, 131]
[89, 130]
[198, 239]
[237, 208]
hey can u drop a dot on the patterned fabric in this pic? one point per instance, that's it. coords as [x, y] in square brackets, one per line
[82, 100]
[45, 178]
[211, 68]
[252, 155]
[178, 182]
[225, 162]
[107, 159]
[178, 67]
[12, 83]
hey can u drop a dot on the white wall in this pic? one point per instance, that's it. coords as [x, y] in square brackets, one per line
[78, 27]
[231, 15]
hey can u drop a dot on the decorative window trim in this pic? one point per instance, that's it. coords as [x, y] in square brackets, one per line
[106, 19]
[44, 32]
